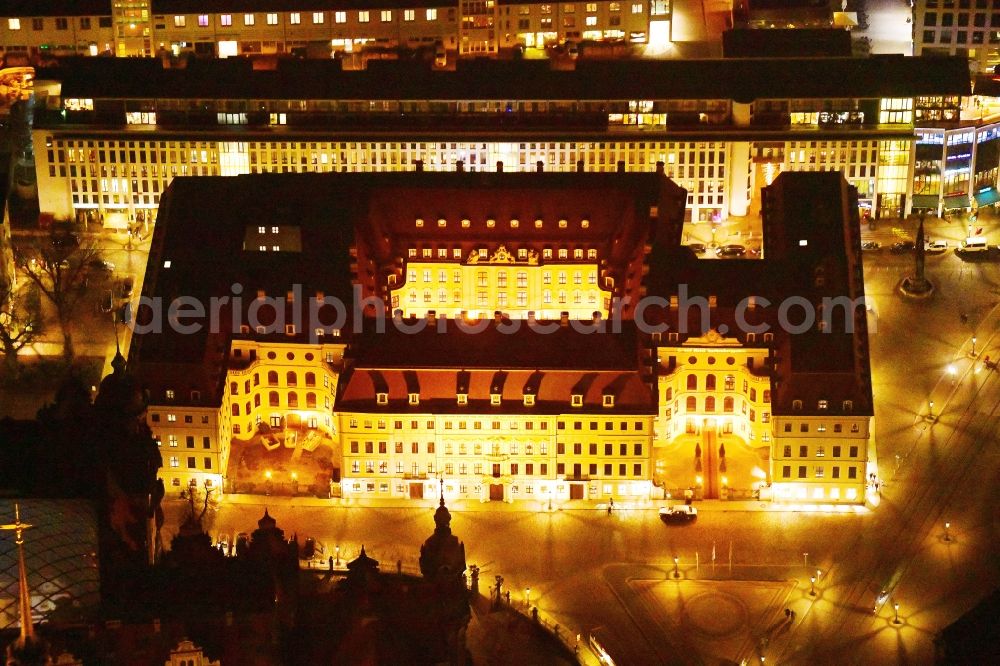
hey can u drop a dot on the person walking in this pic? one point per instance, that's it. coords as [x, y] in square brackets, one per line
[611, 505]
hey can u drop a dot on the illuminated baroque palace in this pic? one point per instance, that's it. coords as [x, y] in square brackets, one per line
[515, 335]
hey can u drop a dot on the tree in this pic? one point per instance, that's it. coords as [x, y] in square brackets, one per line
[59, 268]
[20, 322]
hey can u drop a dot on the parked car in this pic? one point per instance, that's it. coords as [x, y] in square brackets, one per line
[127, 285]
[902, 247]
[973, 244]
[440, 54]
[101, 265]
[107, 302]
[65, 241]
[697, 248]
[682, 513]
[936, 246]
[731, 251]
[871, 246]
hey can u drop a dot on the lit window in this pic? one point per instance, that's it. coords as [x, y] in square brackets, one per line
[317, 17]
[432, 14]
[15, 24]
[591, 20]
[202, 20]
[636, 7]
[363, 17]
[272, 19]
[248, 19]
[386, 15]
[180, 21]
[591, 6]
[409, 15]
[226, 19]
[340, 17]
[295, 18]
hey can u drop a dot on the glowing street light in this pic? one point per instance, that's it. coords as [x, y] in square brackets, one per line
[338, 556]
[267, 474]
[677, 571]
[527, 597]
[895, 619]
[973, 354]
[947, 534]
[953, 373]
[812, 586]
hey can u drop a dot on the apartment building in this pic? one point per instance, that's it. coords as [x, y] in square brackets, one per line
[320, 28]
[108, 143]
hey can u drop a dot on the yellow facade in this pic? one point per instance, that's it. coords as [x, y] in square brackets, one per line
[498, 456]
[514, 283]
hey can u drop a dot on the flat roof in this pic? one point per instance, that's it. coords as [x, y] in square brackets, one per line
[739, 79]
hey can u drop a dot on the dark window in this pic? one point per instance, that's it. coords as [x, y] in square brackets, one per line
[802, 471]
[560, 468]
[206, 442]
[593, 449]
[836, 452]
[189, 441]
[560, 448]
[637, 449]
[710, 383]
[930, 19]
[354, 447]
[836, 472]
[788, 451]
[381, 447]
[786, 472]
[853, 451]
[852, 472]
[593, 469]
[369, 447]
[577, 449]
[191, 463]
[609, 449]
[623, 449]
[621, 470]
[692, 383]
[803, 451]
[104, 21]
[607, 469]
[637, 469]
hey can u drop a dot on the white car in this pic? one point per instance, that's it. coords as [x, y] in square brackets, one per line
[936, 246]
[681, 513]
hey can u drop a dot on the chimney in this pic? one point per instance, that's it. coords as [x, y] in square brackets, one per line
[539, 166]
[621, 166]
[564, 319]
[579, 166]
[417, 166]
[320, 294]
[460, 166]
[499, 167]
[712, 301]
[659, 167]
[497, 316]
[431, 317]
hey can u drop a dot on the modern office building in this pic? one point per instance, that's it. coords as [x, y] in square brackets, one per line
[531, 400]
[110, 135]
[966, 28]
[316, 28]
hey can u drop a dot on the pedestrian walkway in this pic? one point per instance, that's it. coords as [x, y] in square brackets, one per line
[621, 508]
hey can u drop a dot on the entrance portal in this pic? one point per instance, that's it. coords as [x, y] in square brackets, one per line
[416, 491]
[576, 491]
[496, 492]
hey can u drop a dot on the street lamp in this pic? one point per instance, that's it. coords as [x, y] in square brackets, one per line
[338, 556]
[677, 572]
[812, 586]
[527, 597]
[947, 535]
[895, 619]
[952, 372]
[973, 354]
[930, 411]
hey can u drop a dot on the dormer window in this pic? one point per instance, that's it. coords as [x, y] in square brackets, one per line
[576, 400]
[797, 405]
[382, 398]
[848, 405]
[609, 401]
[170, 394]
[823, 404]
[494, 398]
[413, 398]
[463, 398]
[466, 224]
[529, 399]
[420, 223]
